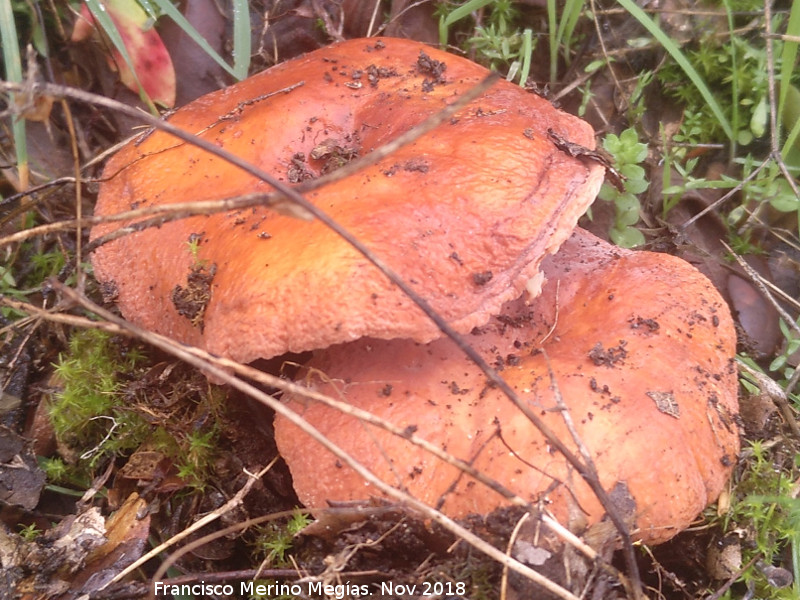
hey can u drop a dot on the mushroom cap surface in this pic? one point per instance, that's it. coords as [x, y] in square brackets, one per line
[464, 214]
[641, 348]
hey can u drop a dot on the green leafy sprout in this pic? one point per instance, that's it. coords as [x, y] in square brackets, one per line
[500, 43]
[628, 154]
[275, 539]
[29, 532]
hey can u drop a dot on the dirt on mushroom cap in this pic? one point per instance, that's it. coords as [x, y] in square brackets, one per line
[486, 192]
[641, 349]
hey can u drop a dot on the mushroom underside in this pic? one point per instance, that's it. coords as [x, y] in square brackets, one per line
[638, 346]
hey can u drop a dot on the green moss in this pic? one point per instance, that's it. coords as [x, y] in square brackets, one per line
[89, 412]
[105, 409]
[765, 516]
[275, 538]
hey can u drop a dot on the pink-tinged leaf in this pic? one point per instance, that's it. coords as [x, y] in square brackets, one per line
[152, 63]
[84, 25]
[148, 55]
[130, 13]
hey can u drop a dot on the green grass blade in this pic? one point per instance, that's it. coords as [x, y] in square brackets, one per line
[796, 563]
[169, 9]
[456, 15]
[678, 56]
[464, 10]
[791, 140]
[790, 117]
[735, 125]
[789, 54]
[527, 53]
[13, 68]
[552, 11]
[241, 38]
[566, 27]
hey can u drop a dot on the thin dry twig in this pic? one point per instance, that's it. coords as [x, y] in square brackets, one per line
[160, 214]
[342, 558]
[732, 579]
[274, 200]
[718, 202]
[776, 394]
[758, 281]
[373, 18]
[512, 539]
[779, 396]
[604, 50]
[368, 417]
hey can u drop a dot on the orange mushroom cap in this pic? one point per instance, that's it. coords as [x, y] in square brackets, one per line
[641, 348]
[464, 214]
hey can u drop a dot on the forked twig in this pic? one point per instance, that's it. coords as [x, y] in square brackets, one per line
[566, 416]
[759, 283]
[775, 393]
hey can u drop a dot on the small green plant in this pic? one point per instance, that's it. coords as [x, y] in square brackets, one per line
[46, 264]
[500, 44]
[735, 67]
[763, 184]
[196, 455]
[562, 27]
[298, 522]
[193, 246]
[766, 517]
[25, 274]
[275, 539]
[450, 14]
[753, 375]
[55, 469]
[673, 192]
[699, 85]
[29, 532]
[8, 287]
[628, 154]
[499, 48]
[780, 363]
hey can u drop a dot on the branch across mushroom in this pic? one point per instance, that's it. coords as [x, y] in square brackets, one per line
[464, 214]
[639, 346]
